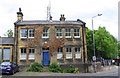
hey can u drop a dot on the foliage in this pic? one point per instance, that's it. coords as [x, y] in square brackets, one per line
[105, 43]
[71, 69]
[119, 48]
[9, 33]
[89, 41]
[54, 67]
[54, 44]
[35, 67]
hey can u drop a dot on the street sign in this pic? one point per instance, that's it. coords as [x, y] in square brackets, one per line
[94, 58]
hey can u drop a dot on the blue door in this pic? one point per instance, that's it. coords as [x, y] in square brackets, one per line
[46, 58]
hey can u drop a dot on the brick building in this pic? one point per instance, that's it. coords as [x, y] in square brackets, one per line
[6, 48]
[47, 41]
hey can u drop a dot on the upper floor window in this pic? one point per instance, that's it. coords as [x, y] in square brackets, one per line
[68, 53]
[68, 33]
[23, 33]
[31, 53]
[23, 53]
[77, 53]
[45, 33]
[27, 33]
[77, 33]
[31, 33]
[59, 54]
[59, 33]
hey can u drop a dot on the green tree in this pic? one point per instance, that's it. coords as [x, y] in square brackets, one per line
[9, 33]
[105, 44]
[89, 41]
[119, 48]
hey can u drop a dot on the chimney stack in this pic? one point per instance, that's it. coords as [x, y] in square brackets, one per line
[19, 15]
[62, 18]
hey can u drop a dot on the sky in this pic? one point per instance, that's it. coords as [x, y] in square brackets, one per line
[72, 9]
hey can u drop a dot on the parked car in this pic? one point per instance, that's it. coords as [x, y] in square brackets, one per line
[8, 67]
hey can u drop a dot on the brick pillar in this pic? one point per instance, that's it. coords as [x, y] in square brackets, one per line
[64, 55]
[73, 54]
[27, 57]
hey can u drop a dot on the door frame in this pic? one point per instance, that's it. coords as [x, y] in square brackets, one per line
[42, 55]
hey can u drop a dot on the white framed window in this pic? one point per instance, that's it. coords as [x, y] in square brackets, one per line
[59, 33]
[68, 53]
[45, 33]
[77, 33]
[6, 54]
[23, 54]
[60, 53]
[31, 53]
[68, 33]
[30, 33]
[77, 52]
[23, 33]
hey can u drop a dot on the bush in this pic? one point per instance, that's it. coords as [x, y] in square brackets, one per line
[54, 67]
[35, 67]
[72, 69]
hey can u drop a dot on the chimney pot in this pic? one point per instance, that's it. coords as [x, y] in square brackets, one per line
[62, 18]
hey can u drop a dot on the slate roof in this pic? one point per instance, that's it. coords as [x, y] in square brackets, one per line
[45, 22]
[6, 40]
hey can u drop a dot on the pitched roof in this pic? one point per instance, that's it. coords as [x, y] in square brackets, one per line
[45, 22]
[7, 40]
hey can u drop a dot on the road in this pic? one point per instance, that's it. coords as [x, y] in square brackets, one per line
[111, 73]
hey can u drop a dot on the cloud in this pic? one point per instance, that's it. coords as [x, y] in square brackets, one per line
[73, 9]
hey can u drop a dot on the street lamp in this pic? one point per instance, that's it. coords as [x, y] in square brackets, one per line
[94, 57]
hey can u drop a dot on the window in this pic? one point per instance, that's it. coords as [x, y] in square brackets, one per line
[31, 53]
[59, 54]
[59, 33]
[23, 33]
[45, 33]
[68, 33]
[77, 33]
[23, 54]
[68, 53]
[6, 55]
[31, 33]
[0, 54]
[77, 53]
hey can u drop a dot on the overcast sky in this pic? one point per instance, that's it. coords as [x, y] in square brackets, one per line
[72, 9]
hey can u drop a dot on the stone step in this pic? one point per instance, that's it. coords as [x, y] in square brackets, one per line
[46, 69]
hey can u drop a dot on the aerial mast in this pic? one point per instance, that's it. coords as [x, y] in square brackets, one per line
[49, 11]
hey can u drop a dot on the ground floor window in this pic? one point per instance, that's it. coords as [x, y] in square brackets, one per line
[0, 54]
[31, 53]
[68, 53]
[23, 53]
[60, 53]
[6, 54]
[77, 52]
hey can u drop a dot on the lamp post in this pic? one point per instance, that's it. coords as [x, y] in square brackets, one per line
[94, 57]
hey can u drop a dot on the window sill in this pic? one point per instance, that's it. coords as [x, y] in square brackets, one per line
[68, 37]
[45, 37]
[59, 37]
[68, 58]
[31, 58]
[30, 37]
[23, 59]
[76, 37]
[77, 58]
